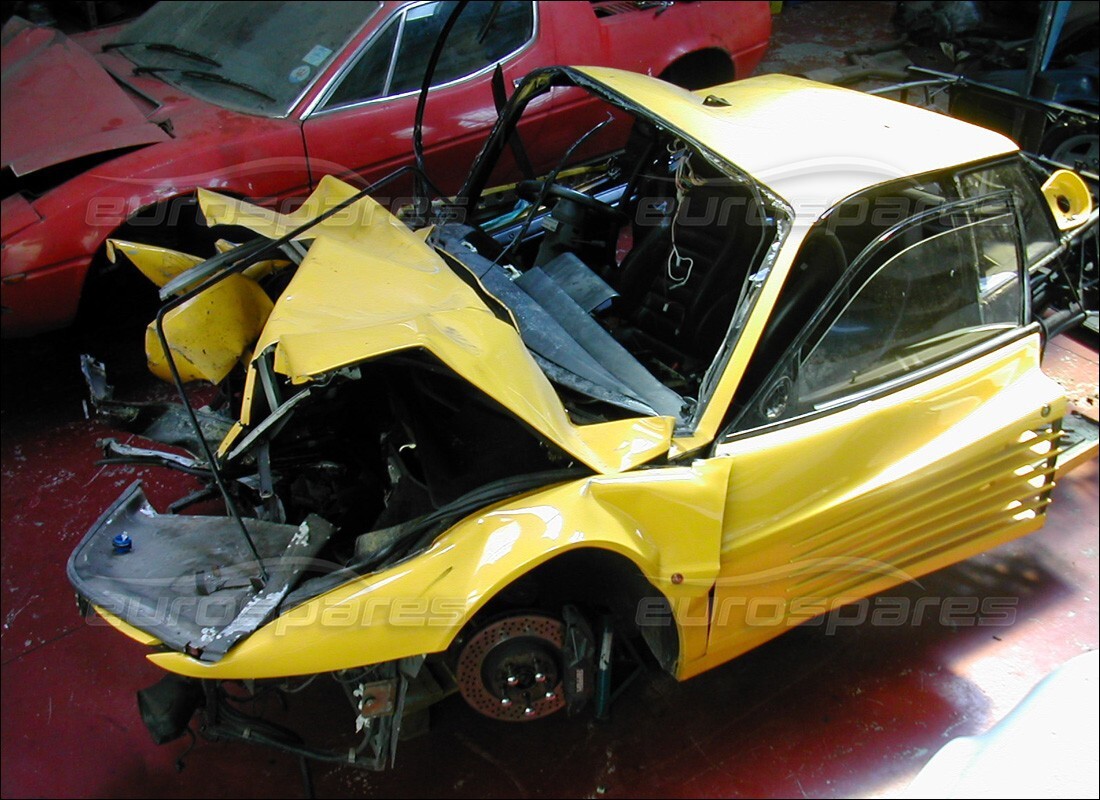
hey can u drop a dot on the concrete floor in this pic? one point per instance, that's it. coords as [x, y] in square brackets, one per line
[846, 708]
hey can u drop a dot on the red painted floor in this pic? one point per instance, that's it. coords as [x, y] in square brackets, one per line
[849, 707]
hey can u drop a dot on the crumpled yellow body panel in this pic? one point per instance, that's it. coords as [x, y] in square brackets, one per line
[370, 287]
[209, 333]
[158, 264]
[161, 264]
[352, 224]
[667, 521]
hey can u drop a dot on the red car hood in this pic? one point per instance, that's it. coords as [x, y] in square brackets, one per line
[59, 104]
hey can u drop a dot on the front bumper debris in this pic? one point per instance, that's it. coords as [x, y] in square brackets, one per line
[191, 581]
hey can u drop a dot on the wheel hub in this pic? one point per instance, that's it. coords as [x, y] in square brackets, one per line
[1080, 149]
[511, 669]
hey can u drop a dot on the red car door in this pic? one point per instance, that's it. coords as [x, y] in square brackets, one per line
[362, 124]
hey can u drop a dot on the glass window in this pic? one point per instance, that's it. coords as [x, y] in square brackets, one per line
[367, 79]
[484, 34]
[257, 56]
[936, 285]
[1039, 234]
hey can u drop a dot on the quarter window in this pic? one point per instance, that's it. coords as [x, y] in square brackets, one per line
[1039, 235]
[367, 79]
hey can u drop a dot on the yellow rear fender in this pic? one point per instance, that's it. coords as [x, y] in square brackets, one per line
[665, 521]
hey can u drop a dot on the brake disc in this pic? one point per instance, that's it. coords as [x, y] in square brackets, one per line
[512, 668]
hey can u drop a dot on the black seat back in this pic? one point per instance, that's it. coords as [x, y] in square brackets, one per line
[684, 296]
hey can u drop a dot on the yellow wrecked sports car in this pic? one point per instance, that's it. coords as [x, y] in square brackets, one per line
[741, 356]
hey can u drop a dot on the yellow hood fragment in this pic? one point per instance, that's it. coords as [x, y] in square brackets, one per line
[369, 287]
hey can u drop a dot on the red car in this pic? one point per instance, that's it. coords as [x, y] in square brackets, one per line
[109, 130]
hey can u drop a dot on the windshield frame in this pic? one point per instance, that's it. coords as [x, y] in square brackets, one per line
[718, 383]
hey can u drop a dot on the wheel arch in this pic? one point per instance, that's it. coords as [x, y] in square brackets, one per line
[666, 522]
[109, 287]
[698, 69]
[597, 579]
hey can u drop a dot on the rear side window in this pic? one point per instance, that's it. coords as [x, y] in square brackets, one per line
[933, 286]
[1038, 229]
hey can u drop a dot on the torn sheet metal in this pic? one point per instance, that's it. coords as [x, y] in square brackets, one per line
[549, 308]
[208, 334]
[158, 264]
[116, 451]
[162, 264]
[167, 423]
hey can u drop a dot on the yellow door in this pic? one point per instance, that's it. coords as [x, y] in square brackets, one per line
[908, 426]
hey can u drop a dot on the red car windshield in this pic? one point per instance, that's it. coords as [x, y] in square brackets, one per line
[258, 57]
